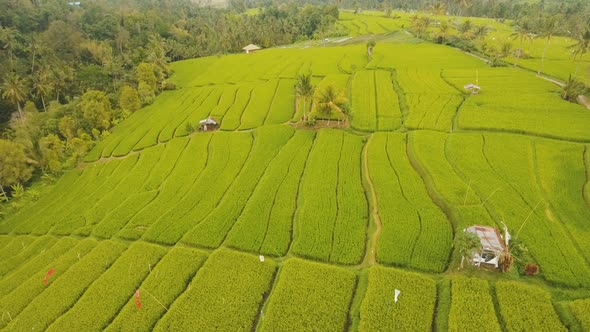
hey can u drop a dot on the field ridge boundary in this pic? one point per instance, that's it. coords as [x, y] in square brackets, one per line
[436, 198]
[370, 257]
[298, 202]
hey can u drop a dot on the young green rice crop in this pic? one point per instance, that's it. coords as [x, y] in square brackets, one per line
[159, 290]
[265, 224]
[472, 308]
[580, 308]
[308, 295]
[413, 309]
[322, 228]
[65, 290]
[409, 226]
[27, 290]
[107, 294]
[227, 153]
[42, 254]
[226, 294]
[213, 229]
[524, 307]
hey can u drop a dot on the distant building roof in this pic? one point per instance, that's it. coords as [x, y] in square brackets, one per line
[251, 47]
[490, 238]
[208, 121]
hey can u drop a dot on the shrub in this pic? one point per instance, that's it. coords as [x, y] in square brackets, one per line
[167, 86]
[189, 128]
[531, 269]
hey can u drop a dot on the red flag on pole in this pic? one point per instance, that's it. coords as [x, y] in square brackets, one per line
[49, 274]
[137, 302]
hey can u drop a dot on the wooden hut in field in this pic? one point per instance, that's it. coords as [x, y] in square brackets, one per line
[208, 124]
[251, 48]
[492, 245]
[473, 88]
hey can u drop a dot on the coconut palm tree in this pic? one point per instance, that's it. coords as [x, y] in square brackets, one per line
[463, 4]
[572, 89]
[42, 86]
[480, 32]
[330, 100]
[304, 89]
[581, 47]
[522, 32]
[505, 49]
[549, 26]
[438, 8]
[9, 42]
[14, 89]
[443, 31]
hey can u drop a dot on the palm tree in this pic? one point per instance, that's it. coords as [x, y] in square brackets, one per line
[548, 28]
[572, 89]
[304, 89]
[443, 30]
[505, 49]
[330, 100]
[9, 41]
[33, 48]
[438, 8]
[522, 32]
[421, 25]
[463, 4]
[480, 32]
[465, 28]
[42, 86]
[15, 90]
[580, 48]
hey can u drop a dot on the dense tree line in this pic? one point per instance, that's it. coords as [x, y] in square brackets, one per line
[577, 12]
[70, 71]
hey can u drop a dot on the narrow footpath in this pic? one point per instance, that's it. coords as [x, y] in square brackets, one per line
[370, 255]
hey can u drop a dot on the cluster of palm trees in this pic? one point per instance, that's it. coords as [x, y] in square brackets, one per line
[327, 101]
[14, 90]
[17, 90]
[548, 27]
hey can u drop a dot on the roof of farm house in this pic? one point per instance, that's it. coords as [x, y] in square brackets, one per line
[208, 121]
[489, 237]
[251, 47]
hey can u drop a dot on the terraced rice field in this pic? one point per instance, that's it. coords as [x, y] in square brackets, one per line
[267, 225]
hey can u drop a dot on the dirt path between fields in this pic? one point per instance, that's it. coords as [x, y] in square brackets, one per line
[552, 80]
[370, 255]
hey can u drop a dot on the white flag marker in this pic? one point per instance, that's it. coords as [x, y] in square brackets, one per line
[397, 291]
